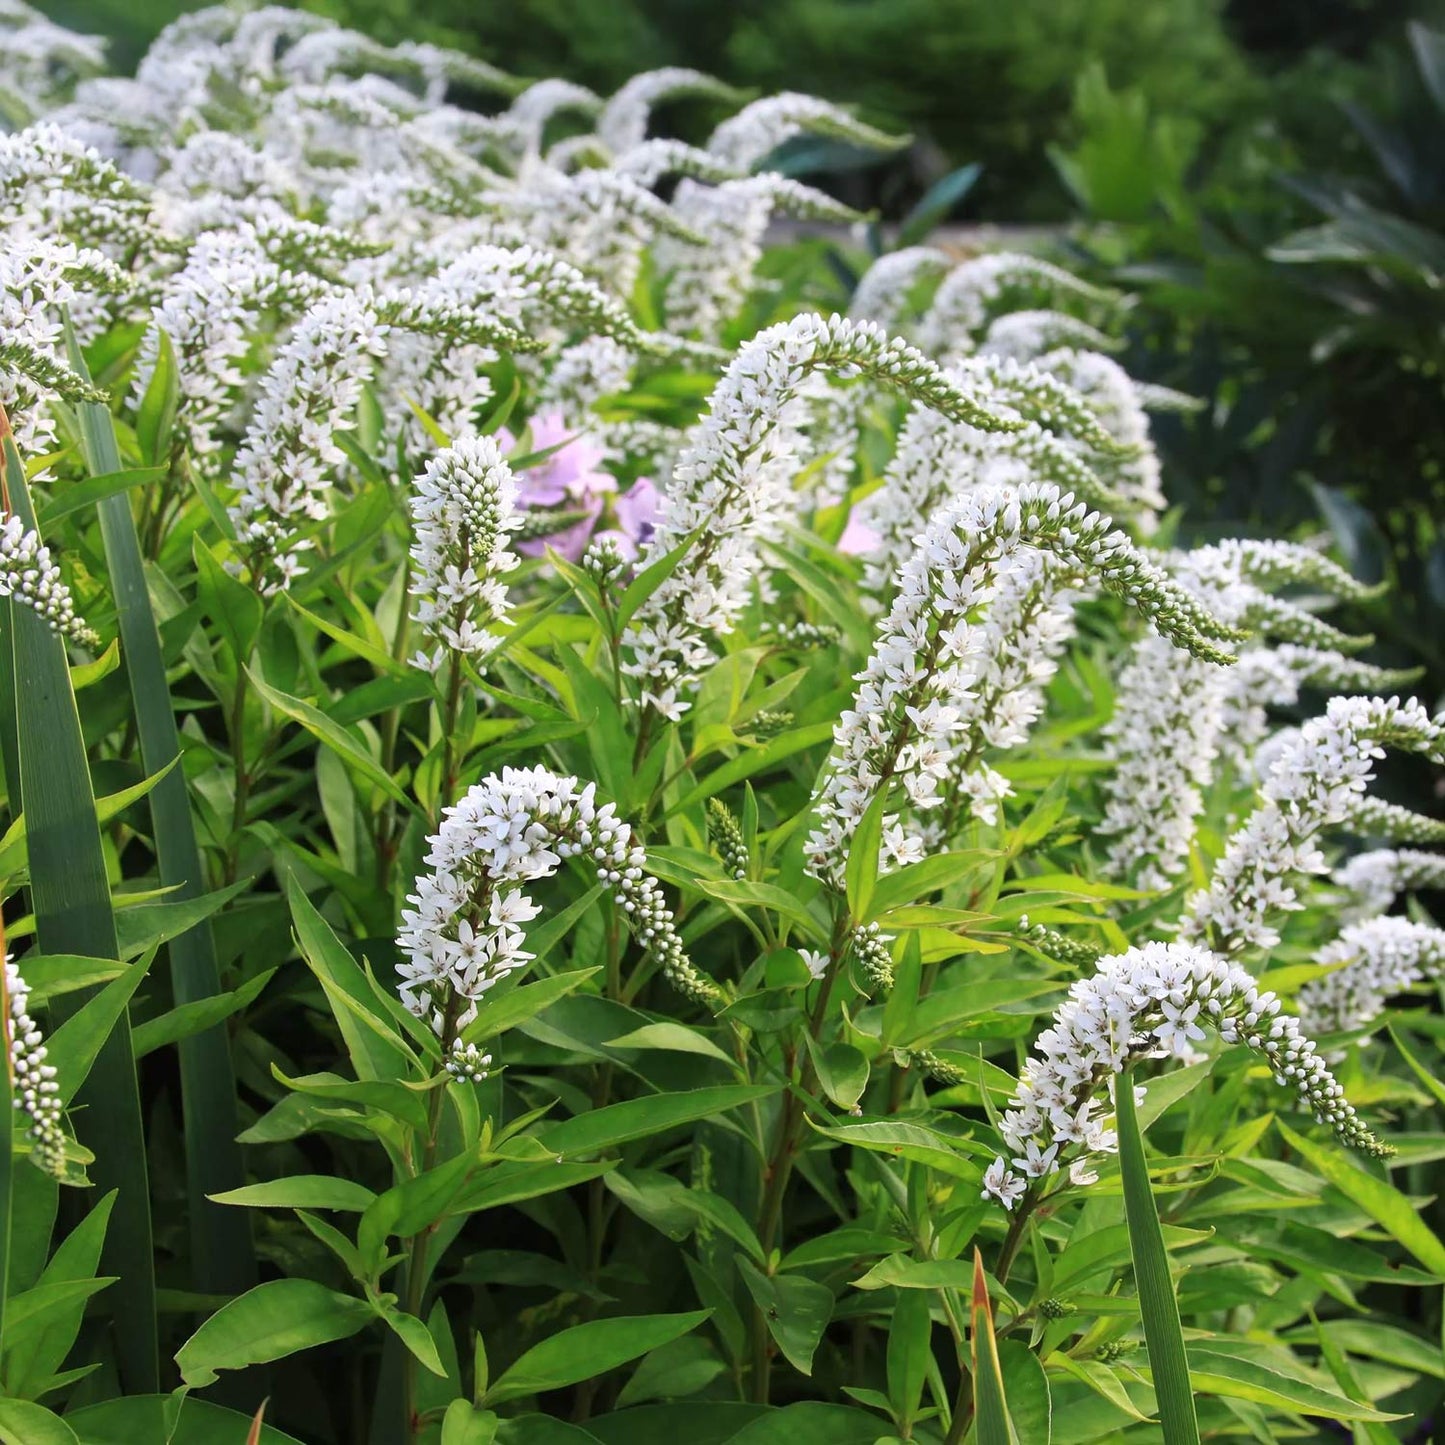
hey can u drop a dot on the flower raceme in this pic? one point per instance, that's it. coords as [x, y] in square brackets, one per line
[1156, 1000]
[463, 509]
[731, 486]
[463, 932]
[1380, 957]
[28, 575]
[1376, 878]
[932, 695]
[1311, 785]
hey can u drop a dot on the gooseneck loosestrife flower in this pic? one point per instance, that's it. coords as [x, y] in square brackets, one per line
[882, 293]
[732, 486]
[463, 931]
[1376, 878]
[1311, 786]
[463, 508]
[1381, 957]
[34, 1092]
[1157, 1000]
[924, 697]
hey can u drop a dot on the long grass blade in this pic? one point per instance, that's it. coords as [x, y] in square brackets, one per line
[1158, 1305]
[223, 1259]
[7, 1135]
[70, 896]
[990, 1406]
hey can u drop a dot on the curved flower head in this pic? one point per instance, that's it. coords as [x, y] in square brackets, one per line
[732, 484]
[960, 659]
[1312, 784]
[1379, 958]
[464, 929]
[32, 1081]
[1157, 1000]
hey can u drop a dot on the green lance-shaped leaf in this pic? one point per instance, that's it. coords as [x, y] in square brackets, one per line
[222, 1258]
[70, 895]
[990, 1407]
[1163, 1334]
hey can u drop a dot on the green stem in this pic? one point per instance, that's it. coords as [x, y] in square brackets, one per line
[780, 1164]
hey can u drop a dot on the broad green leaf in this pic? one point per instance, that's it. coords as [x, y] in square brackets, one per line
[796, 1309]
[1216, 1368]
[269, 1322]
[1026, 1389]
[588, 1350]
[600, 1129]
[861, 870]
[1379, 1199]
[23, 1423]
[146, 1418]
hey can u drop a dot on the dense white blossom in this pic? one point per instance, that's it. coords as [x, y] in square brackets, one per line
[463, 507]
[948, 676]
[1311, 785]
[883, 291]
[1375, 959]
[761, 127]
[30, 577]
[731, 485]
[1375, 879]
[464, 930]
[1157, 1000]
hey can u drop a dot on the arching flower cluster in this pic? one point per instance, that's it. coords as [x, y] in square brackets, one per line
[1311, 786]
[463, 508]
[1373, 960]
[34, 1092]
[939, 686]
[464, 930]
[1375, 879]
[979, 290]
[1158, 1000]
[731, 485]
[1174, 720]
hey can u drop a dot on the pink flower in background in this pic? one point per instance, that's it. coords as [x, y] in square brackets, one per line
[858, 537]
[636, 512]
[572, 480]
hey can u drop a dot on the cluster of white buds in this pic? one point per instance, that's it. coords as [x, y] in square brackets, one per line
[467, 1061]
[978, 290]
[30, 577]
[730, 488]
[1380, 957]
[759, 128]
[1374, 880]
[463, 509]
[33, 1090]
[38, 278]
[604, 561]
[286, 461]
[208, 312]
[463, 932]
[1174, 719]
[886, 287]
[933, 691]
[1032, 334]
[726, 836]
[622, 125]
[1057, 945]
[936, 458]
[872, 948]
[1368, 817]
[1311, 786]
[1157, 1000]
[799, 636]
